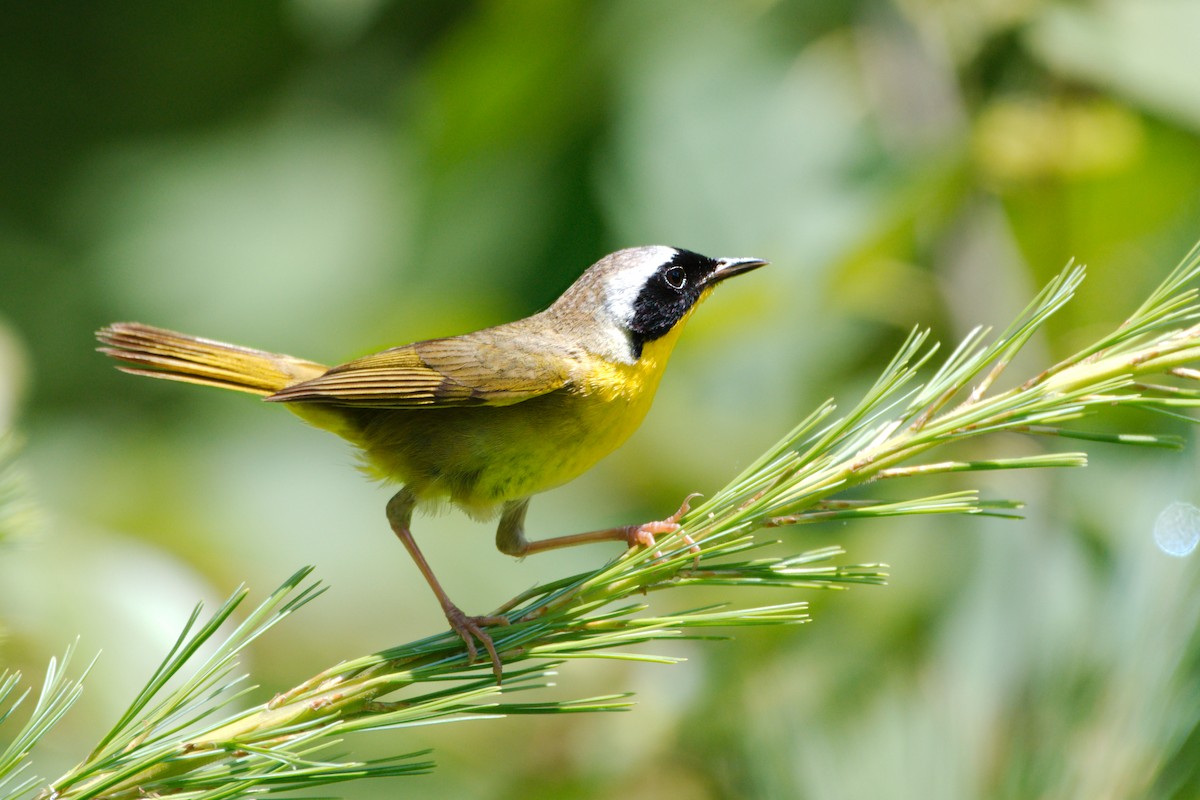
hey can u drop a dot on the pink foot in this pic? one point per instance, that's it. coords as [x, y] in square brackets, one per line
[643, 535]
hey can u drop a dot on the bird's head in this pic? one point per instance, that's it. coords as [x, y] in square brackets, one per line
[640, 294]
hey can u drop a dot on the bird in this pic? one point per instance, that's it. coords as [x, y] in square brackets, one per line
[487, 419]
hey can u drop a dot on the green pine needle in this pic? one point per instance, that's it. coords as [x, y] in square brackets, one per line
[55, 699]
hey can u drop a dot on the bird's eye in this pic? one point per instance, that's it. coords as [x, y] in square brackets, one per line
[675, 277]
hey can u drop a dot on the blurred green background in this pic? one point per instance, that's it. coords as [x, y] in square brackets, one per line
[328, 177]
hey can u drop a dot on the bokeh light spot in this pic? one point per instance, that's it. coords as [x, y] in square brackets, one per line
[1177, 529]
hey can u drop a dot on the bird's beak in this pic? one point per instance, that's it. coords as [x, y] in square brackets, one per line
[728, 267]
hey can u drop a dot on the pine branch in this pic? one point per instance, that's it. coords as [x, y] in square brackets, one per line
[163, 747]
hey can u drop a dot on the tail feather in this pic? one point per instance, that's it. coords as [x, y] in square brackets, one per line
[160, 353]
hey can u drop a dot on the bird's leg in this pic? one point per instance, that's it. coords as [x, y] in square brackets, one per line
[399, 513]
[510, 536]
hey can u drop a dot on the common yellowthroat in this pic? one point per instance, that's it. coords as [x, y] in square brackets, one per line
[487, 419]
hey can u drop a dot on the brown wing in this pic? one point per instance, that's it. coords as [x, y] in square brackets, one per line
[497, 366]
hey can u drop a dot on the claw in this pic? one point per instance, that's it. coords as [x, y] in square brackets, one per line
[643, 535]
[470, 629]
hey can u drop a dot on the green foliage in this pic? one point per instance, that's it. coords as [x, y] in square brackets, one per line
[17, 511]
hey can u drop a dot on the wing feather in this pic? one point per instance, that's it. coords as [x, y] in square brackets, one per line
[498, 366]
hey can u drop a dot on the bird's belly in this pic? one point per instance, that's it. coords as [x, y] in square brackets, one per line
[480, 457]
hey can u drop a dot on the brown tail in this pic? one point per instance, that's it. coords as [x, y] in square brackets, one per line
[160, 353]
